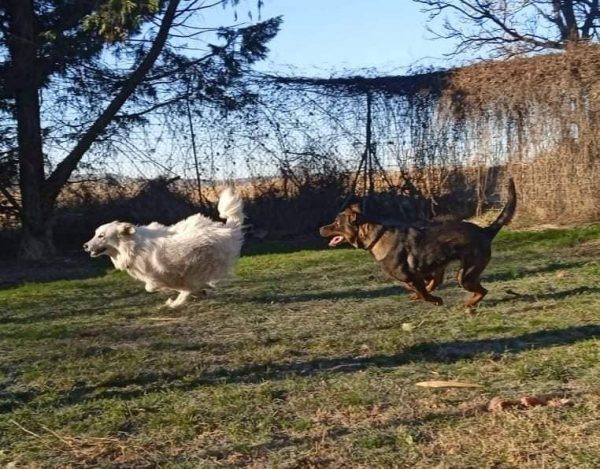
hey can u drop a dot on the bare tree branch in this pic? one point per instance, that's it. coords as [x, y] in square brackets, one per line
[13, 202]
[513, 27]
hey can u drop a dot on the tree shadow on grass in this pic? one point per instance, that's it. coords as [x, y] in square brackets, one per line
[554, 295]
[526, 271]
[255, 247]
[129, 387]
[442, 352]
[398, 290]
[355, 293]
[57, 312]
[16, 273]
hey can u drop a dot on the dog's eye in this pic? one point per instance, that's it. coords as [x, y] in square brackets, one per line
[100, 236]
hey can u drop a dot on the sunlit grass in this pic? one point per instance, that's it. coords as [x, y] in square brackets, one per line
[305, 359]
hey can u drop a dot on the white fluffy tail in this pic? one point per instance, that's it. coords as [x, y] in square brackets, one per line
[230, 207]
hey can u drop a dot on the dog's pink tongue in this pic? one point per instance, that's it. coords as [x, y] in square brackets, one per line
[336, 240]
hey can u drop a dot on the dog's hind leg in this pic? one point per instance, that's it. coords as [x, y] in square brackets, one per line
[478, 292]
[469, 277]
[181, 298]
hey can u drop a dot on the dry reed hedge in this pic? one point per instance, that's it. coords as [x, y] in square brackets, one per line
[545, 113]
[538, 117]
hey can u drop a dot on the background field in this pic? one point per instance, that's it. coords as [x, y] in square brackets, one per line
[308, 359]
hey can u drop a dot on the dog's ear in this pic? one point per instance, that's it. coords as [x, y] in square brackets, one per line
[126, 229]
[355, 207]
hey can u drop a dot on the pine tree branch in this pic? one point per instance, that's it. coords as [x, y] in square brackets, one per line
[63, 170]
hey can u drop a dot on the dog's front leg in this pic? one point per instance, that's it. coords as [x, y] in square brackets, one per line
[420, 289]
[181, 298]
[416, 284]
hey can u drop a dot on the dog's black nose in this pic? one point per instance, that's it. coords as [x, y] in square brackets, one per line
[85, 247]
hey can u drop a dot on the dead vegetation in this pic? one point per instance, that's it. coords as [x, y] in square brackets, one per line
[546, 114]
[537, 118]
[447, 141]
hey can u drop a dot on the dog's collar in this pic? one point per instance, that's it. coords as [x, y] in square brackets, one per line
[375, 240]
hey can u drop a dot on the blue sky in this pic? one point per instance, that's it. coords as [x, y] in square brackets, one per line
[323, 36]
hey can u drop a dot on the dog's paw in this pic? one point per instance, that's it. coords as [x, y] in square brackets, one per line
[436, 300]
[175, 303]
[471, 310]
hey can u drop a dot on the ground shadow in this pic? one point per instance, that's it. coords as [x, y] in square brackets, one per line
[553, 295]
[128, 387]
[55, 313]
[15, 273]
[524, 272]
[355, 293]
[440, 352]
[399, 290]
[257, 247]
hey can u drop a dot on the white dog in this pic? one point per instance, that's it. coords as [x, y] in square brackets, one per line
[187, 257]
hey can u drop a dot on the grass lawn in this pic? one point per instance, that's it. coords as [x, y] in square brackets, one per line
[309, 359]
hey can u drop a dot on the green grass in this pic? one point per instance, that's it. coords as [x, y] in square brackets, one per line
[302, 361]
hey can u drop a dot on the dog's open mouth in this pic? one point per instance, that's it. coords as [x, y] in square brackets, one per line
[97, 253]
[336, 240]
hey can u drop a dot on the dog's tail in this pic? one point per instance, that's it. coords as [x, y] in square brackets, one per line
[230, 207]
[507, 212]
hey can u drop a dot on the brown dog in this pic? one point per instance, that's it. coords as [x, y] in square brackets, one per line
[418, 255]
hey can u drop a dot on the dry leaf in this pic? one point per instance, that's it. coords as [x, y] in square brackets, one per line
[532, 401]
[499, 403]
[446, 384]
[560, 403]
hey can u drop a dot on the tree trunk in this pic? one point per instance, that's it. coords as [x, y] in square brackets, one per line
[36, 242]
[568, 11]
[36, 239]
[23, 82]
